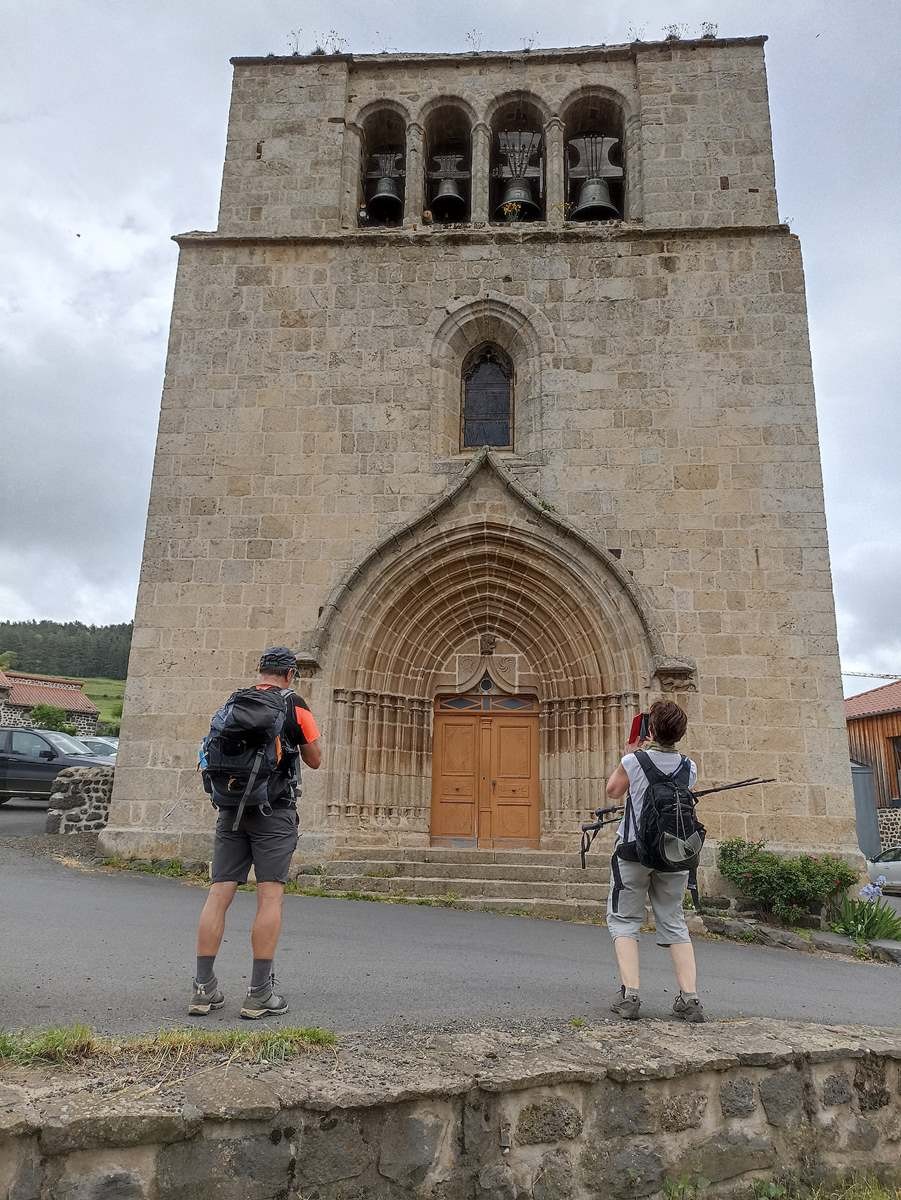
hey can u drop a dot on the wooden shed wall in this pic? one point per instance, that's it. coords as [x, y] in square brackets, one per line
[870, 742]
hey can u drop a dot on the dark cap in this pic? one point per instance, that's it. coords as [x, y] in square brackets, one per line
[278, 660]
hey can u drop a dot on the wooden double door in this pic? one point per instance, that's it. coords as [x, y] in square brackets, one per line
[485, 789]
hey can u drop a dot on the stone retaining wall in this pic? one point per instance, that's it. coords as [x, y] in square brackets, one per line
[80, 800]
[889, 826]
[615, 1111]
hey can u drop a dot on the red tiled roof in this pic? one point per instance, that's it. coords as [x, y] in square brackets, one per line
[883, 699]
[25, 691]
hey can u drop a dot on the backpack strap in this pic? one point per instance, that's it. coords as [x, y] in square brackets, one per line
[653, 774]
[257, 763]
[629, 818]
[617, 882]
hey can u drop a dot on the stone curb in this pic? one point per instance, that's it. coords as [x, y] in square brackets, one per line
[362, 1078]
[740, 929]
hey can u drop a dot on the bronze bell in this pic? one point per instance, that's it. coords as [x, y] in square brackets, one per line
[518, 191]
[385, 203]
[594, 202]
[449, 203]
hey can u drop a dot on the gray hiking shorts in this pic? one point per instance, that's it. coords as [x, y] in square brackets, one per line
[664, 889]
[265, 840]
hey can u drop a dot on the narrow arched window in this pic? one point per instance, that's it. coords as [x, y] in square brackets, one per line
[487, 408]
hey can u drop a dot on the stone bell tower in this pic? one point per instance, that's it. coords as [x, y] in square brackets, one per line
[491, 393]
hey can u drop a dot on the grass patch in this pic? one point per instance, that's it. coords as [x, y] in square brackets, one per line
[858, 1189]
[70, 1045]
[168, 868]
[107, 694]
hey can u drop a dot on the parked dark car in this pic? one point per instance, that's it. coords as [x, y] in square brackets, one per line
[30, 760]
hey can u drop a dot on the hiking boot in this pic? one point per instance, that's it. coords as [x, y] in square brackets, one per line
[264, 1001]
[627, 1006]
[204, 997]
[689, 1010]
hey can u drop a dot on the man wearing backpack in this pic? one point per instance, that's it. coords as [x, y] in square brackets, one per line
[249, 762]
[658, 835]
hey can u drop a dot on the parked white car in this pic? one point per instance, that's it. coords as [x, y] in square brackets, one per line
[887, 864]
[101, 747]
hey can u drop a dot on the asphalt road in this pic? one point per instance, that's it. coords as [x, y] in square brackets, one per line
[22, 818]
[115, 951]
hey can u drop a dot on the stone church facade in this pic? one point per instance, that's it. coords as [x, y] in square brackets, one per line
[492, 394]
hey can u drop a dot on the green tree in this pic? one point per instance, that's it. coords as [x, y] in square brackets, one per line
[7, 658]
[48, 716]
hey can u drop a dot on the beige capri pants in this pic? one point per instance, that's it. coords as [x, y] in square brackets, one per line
[666, 891]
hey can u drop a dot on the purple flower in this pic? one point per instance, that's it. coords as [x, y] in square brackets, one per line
[872, 891]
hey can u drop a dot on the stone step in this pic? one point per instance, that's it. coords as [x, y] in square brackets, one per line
[488, 889]
[516, 906]
[443, 854]
[394, 869]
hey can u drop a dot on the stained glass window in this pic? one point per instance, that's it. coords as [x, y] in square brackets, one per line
[488, 399]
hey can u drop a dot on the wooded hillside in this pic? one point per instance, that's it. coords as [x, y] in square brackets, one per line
[52, 648]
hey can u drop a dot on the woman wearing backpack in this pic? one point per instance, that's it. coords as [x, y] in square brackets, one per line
[659, 771]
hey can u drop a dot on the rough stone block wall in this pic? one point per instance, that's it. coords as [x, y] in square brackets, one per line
[697, 130]
[663, 414]
[80, 800]
[504, 1119]
[889, 820]
[11, 714]
[674, 424]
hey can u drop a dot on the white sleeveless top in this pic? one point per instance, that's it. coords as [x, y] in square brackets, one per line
[664, 760]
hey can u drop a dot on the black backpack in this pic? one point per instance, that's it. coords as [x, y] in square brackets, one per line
[244, 757]
[668, 836]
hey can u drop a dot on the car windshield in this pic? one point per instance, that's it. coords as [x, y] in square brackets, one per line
[65, 744]
[104, 749]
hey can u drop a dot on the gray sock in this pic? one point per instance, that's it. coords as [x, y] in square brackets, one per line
[689, 995]
[630, 993]
[262, 969]
[205, 968]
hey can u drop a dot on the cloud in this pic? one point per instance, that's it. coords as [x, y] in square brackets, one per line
[126, 148]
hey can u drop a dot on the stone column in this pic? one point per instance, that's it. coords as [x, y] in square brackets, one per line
[351, 168]
[481, 167]
[554, 176]
[633, 184]
[413, 184]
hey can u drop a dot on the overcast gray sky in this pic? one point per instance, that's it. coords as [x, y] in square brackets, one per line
[112, 131]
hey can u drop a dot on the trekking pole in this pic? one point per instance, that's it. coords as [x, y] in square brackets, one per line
[727, 787]
[591, 829]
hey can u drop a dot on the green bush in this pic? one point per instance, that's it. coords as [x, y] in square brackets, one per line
[784, 887]
[48, 716]
[866, 920]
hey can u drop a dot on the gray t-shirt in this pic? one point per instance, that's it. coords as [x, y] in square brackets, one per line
[666, 761]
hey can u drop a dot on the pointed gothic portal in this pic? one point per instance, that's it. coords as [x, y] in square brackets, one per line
[485, 579]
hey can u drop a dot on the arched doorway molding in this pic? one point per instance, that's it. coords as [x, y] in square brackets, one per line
[406, 624]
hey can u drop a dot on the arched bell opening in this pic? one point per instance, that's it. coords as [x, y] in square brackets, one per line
[517, 162]
[595, 173]
[383, 155]
[486, 409]
[448, 165]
